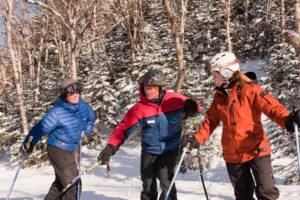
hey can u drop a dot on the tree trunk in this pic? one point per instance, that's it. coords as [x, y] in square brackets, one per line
[3, 86]
[297, 16]
[60, 47]
[31, 64]
[19, 65]
[226, 4]
[26, 44]
[15, 67]
[135, 29]
[94, 32]
[73, 64]
[183, 5]
[178, 46]
[266, 28]
[38, 71]
[297, 20]
[282, 23]
[246, 18]
[141, 24]
[108, 62]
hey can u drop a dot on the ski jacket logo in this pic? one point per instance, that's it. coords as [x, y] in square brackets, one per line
[151, 121]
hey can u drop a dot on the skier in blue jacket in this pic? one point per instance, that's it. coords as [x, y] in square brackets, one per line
[65, 123]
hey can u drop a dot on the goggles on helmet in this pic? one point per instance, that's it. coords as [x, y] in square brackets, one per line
[218, 67]
[145, 80]
[75, 87]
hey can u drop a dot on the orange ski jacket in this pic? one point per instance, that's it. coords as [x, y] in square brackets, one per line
[243, 136]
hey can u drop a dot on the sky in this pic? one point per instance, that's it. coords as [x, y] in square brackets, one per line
[124, 182]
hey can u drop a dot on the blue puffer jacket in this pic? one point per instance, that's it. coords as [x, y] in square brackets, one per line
[64, 123]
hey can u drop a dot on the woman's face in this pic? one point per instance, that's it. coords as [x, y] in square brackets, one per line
[73, 98]
[152, 92]
[217, 78]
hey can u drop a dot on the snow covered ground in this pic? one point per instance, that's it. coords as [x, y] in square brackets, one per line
[124, 182]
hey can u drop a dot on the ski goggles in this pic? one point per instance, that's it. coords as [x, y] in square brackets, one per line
[146, 81]
[75, 87]
[219, 67]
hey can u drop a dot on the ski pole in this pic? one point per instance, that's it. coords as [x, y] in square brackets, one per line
[298, 150]
[200, 164]
[75, 179]
[177, 170]
[201, 174]
[79, 159]
[19, 168]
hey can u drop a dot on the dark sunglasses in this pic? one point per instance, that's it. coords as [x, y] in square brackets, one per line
[75, 87]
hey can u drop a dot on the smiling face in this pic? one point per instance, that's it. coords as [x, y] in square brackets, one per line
[151, 92]
[217, 78]
[73, 98]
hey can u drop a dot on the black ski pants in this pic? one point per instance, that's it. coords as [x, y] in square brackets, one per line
[159, 167]
[65, 168]
[243, 183]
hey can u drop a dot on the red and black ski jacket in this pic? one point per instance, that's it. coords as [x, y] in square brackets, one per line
[161, 124]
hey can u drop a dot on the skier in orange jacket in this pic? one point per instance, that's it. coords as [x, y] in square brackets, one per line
[239, 103]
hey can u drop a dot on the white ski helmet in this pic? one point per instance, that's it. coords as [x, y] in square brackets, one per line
[225, 63]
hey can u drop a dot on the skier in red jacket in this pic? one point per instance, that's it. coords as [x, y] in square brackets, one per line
[159, 113]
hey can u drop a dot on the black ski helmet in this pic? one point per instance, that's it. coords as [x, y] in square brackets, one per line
[153, 77]
[69, 85]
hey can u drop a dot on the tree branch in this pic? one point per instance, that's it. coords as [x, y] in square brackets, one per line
[43, 5]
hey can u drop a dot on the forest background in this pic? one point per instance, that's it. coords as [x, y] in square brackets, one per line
[108, 45]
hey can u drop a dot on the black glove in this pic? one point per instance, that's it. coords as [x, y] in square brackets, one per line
[105, 154]
[293, 117]
[193, 143]
[190, 108]
[85, 137]
[24, 151]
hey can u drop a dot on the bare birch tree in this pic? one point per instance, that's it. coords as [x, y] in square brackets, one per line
[130, 12]
[141, 24]
[226, 5]
[282, 22]
[293, 37]
[75, 17]
[246, 17]
[266, 29]
[39, 62]
[14, 62]
[297, 15]
[60, 44]
[27, 45]
[3, 86]
[178, 36]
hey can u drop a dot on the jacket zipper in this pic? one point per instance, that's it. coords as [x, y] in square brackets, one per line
[233, 124]
[76, 114]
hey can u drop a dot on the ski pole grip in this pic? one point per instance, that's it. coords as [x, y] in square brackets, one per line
[28, 143]
[200, 162]
[296, 126]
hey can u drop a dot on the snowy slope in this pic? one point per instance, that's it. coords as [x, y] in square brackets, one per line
[124, 182]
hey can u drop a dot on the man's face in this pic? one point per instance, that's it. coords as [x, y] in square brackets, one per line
[73, 98]
[152, 92]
